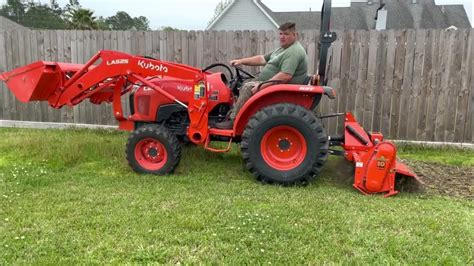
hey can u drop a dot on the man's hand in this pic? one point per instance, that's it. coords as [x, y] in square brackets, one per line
[236, 62]
[257, 60]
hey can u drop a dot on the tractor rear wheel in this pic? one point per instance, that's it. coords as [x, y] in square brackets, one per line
[284, 144]
[153, 149]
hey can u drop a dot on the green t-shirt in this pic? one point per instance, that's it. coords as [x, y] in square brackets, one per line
[291, 60]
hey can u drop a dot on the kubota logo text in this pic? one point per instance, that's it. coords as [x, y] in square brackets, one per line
[117, 62]
[150, 65]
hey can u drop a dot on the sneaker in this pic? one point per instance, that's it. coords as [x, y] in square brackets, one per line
[228, 124]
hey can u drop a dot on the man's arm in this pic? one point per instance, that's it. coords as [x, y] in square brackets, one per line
[280, 76]
[257, 60]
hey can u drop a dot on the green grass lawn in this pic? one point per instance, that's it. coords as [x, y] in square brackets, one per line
[69, 197]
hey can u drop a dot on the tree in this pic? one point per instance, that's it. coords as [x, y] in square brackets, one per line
[168, 28]
[43, 17]
[33, 14]
[54, 6]
[14, 10]
[123, 21]
[120, 21]
[221, 6]
[141, 23]
[82, 19]
[102, 24]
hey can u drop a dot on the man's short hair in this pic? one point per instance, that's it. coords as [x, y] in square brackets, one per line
[288, 26]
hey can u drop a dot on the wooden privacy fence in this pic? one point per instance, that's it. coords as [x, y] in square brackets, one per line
[411, 84]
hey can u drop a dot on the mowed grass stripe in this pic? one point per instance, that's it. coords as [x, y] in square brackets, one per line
[69, 196]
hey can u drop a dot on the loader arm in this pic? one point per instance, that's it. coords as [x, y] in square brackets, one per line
[69, 84]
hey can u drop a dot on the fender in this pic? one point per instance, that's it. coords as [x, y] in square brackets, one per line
[303, 95]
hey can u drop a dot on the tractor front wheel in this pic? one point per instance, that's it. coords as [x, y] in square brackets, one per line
[284, 144]
[153, 149]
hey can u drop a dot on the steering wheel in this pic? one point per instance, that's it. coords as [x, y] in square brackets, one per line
[240, 76]
[246, 75]
[231, 74]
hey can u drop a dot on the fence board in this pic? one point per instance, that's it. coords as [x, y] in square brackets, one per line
[206, 49]
[97, 114]
[361, 83]
[68, 58]
[442, 92]
[200, 48]
[414, 84]
[462, 97]
[141, 43]
[246, 48]
[192, 48]
[334, 76]
[42, 56]
[184, 47]
[19, 56]
[433, 114]
[396, 93]
[415, 93]
[61, 57]
[353, 72]
[74, 59]
[80, 59]
[406, 87]
[148, 43]
[15, 106]
[454, 84]
[388, 88]
[345, 70]
[469, 135]
[3, 67]
[427, 67]
[155, 47]
[178, 56]
[368, 98]
[380, 81]
[8, 100]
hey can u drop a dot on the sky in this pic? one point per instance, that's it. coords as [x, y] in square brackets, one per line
[195, 14]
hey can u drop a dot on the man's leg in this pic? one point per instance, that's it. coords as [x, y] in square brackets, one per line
[244, 95]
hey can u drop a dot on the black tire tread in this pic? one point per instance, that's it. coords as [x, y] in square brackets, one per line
[295, 112]
[158, 130]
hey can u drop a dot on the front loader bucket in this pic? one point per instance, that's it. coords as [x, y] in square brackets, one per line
[38, 81]
[34, 82]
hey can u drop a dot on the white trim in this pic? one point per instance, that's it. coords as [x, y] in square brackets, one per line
[221, 14]
[266, 14]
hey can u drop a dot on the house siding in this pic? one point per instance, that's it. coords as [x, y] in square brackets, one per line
[243, 15]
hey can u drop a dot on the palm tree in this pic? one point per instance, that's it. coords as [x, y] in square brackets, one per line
[82, 19]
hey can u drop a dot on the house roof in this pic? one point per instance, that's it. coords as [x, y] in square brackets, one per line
[6, 24]
[401, 14]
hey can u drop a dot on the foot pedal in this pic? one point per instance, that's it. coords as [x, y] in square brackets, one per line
[336, 152]
[337, 140]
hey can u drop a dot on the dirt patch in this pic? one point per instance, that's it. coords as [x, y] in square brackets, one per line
[449, 180]
[439, 179]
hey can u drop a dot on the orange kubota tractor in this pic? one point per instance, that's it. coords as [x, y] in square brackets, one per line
[282, 140]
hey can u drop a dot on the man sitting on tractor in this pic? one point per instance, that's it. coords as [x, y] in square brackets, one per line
[287, 64]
